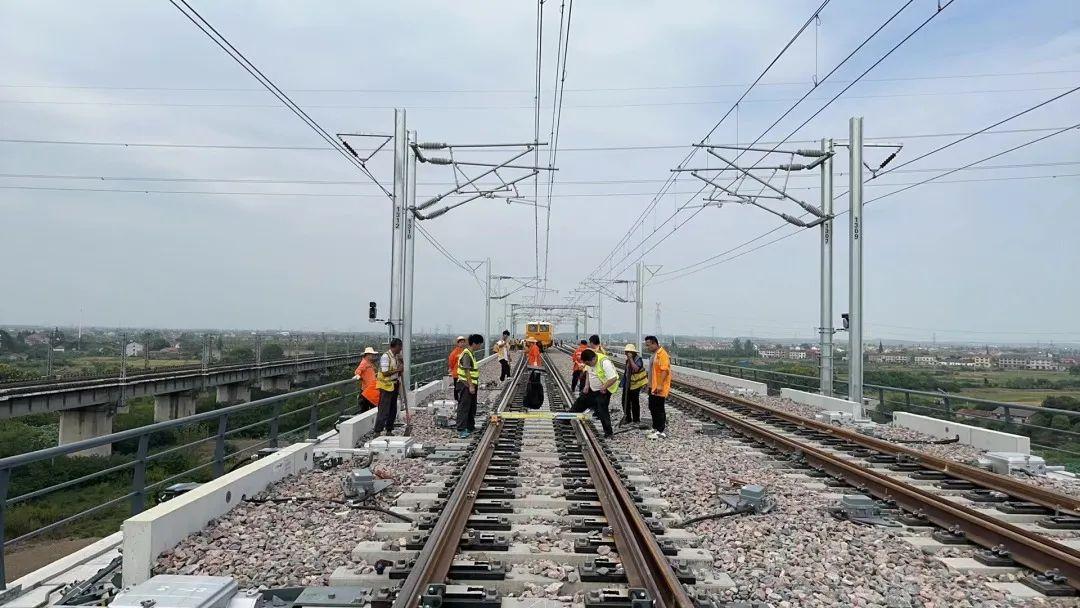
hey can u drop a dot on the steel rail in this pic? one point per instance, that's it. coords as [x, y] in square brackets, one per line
[645, 563]
[1060, 503]
[1056, 501]
[434, 560]
[1026, 547]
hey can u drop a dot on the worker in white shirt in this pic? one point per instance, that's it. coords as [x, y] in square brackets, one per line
[601, 382]
[502, 348]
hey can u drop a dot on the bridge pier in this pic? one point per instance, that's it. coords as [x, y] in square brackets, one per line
[304, 377]
[170, 406]
[233, 393]
[87, 423]
[275, 383]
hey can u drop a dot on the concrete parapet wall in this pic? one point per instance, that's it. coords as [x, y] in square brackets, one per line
[816, 400]
[155, 530]
[352, 430]
[978, 437]
[758, 387]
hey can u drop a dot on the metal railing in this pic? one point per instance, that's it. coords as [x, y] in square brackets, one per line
[215, 424]
[1052, 430]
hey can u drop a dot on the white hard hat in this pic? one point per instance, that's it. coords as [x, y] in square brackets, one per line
[370, 351]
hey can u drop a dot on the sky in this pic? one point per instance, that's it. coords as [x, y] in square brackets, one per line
[991, 255]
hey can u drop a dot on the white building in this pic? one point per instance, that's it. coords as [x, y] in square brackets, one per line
[771, 353]
[796, 354]
[982, 361]
[925, 360]
[1044, 363]
[133, 349]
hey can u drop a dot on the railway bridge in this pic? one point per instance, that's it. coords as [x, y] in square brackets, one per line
[87, 406]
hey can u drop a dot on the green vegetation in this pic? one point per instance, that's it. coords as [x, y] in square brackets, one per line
[36, 432]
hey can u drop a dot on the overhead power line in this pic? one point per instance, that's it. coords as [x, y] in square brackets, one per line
[563, 195]
[588, 106]
[720, 258]
[320, 182]
[672, 176]
[121, 144]
[614, 270]
[496, 90]
[211, 32]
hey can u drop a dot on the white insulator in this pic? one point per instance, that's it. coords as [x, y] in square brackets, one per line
[432, 145]
[440, 161]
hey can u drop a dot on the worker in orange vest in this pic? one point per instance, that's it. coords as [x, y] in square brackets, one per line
[579, 368]
[659, 386]
[365, 373]
[533, 354]
[453, 363]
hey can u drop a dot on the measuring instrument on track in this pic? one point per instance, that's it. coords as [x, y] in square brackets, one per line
[540, 416]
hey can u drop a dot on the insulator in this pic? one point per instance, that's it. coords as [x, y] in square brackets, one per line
[435, 214]
[888, 160]
[793, 220]
[432, 145]
[440, 161]
[811, 153]
[349, 148]
[792, 167]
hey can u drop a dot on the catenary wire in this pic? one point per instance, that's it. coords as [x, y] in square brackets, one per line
[70, 142]
[941, 7]
[698, 266]
[241, 180]
[571, 90]
[211, 32]
[671, 177]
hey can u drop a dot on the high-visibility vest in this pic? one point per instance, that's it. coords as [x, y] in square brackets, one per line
[468, 376]
[368, 383]
[385, 381]
[614, 388]
[639, 378]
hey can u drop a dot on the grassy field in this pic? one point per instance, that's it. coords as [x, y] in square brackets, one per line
[1032, 396]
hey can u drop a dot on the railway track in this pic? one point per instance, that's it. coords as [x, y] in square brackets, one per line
[1014, 522]
[617, 559]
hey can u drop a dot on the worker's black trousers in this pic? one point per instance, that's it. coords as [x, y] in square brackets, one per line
[363, 404]
[466, 409]
[575, 379]
[659, 415]
[387, 415]
[598, 402]
[632, 406]
[505, 364]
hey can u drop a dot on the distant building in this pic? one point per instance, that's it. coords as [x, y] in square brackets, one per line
[133, 349]
[36, 339]
[796, 354]
[1012, 361]
[982, 361]
[925, 360]
[1034, 363]
[771, 353]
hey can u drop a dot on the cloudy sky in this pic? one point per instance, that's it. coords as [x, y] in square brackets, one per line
[227, 219]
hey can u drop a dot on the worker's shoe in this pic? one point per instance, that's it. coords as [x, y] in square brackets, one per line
[463, 435]
[653, 435]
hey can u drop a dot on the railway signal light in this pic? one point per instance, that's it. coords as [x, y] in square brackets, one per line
[846, 319]
[372, 311]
